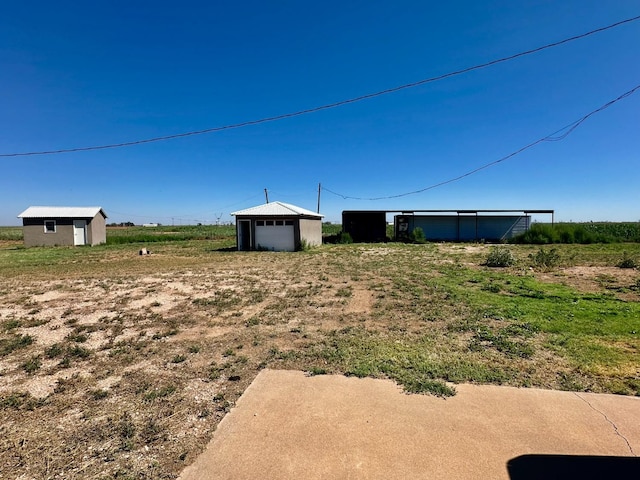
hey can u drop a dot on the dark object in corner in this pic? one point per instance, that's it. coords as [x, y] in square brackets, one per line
[584, 467]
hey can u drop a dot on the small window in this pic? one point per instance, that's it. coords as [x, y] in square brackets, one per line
[268, 222]
[49, 226]
[280, 222]
[259, 223]
[288, 222]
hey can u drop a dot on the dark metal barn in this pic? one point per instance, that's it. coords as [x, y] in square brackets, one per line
[365, 225]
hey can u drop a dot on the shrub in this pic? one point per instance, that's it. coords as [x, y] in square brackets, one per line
[627, 262]
[303, 246]
[417, 235]
[344, 237]
[500, 257]
[545, 258]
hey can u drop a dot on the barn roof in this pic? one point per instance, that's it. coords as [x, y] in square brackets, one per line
[277, 209]
[62, 212]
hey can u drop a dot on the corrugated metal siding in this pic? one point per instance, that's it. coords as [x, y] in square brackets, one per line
[61, 212]
[437, 227]
[276, 209]
[500, 227]
[465, 228]
[468, 228]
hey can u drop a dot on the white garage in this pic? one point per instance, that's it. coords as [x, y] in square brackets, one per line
[277, 234]
[277, 226]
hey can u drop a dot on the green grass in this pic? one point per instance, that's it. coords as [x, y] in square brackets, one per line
[411, 360]
[11, 233]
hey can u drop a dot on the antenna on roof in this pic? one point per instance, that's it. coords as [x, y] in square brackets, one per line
[266, 195]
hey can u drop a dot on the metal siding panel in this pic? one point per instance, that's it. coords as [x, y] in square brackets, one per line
[276, 209]
[498, 227]
[438, 228]
[467, 228]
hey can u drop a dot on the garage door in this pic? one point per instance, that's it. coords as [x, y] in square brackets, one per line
[275, 235]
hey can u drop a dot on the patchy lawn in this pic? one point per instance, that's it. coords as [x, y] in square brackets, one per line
[115, 365]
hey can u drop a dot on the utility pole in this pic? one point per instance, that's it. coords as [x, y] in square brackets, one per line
[319, 188]
[266, 195]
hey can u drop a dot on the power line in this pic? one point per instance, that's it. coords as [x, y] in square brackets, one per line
[326, 106]
[556, 136]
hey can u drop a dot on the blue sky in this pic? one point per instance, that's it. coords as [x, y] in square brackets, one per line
[77, 74]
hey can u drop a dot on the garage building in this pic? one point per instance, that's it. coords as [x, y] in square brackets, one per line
[277, 226]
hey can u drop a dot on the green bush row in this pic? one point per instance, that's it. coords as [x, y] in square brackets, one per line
[583, 233]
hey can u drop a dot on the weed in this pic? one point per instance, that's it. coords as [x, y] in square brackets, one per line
[54, 350]
[32, 365]
[214, 372]
[252, 322]
[545, 259]
[159, 393]
[77, 337]
[126, 429]
[34, 322]
[99, 394]
[65, 362]
[417, 235]
[627, 262]
[344, 292]
[344, 238]
[166, 333]
[20, 401]
[151, 431]
[11, 324]
[78, 352]
[178, 359]
[14, 342]
[317, 371]
[500, 257]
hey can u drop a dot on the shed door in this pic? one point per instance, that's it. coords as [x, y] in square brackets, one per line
[275, 235]
[79, 232]
[244, 235]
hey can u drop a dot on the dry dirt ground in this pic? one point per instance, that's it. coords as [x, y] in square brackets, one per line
[123, 368]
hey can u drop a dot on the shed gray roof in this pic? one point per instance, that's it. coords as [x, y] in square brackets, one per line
[277, 209]
[62, 212]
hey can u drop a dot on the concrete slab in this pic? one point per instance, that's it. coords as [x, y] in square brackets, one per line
[290, 426]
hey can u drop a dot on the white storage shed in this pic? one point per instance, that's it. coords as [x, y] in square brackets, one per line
[277, 226]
